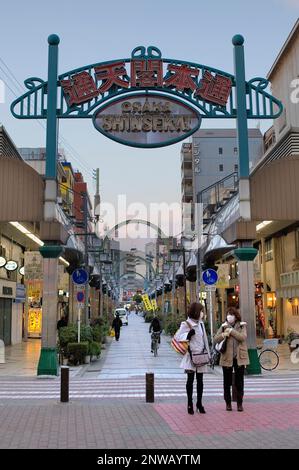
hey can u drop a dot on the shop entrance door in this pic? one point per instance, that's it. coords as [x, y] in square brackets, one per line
[5, 320]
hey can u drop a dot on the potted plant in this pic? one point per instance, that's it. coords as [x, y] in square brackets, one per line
[94, 350]
[77, 352]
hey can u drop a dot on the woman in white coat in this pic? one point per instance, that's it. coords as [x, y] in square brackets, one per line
[193, 330]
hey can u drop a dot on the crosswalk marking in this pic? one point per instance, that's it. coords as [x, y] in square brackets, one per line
[135, 388]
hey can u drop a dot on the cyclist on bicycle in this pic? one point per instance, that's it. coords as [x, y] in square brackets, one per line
[156, 327]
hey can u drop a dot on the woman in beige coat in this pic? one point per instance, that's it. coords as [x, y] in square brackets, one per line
[234, 357]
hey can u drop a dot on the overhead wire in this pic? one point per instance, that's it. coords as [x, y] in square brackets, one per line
[19, 88]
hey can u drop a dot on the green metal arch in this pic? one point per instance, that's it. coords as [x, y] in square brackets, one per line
[137, 274]
[161, 234]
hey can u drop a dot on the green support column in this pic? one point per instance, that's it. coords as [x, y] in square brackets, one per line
[245, 255]
[51, 142]
[48, 359]
[48, 364]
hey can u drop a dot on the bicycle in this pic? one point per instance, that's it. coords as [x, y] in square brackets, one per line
[155, 342]
[268, 357]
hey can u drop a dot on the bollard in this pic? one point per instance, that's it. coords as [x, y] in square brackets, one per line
[150, 387]
[64, 384]
[2, 352]
[234, 388]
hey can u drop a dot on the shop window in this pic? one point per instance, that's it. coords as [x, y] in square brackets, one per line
[268, 250]
[295, 310]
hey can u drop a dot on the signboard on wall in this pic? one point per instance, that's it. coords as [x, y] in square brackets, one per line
[34, 266]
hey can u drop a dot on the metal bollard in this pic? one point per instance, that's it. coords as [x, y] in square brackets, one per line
[64, 384]
[234, 388]
[150, 387]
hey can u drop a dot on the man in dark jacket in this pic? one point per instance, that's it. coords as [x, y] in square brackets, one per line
[117, 324]
[156, 327]
[62, 322]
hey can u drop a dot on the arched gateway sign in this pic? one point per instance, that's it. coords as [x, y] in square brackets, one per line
[147, 100]
[143, 101]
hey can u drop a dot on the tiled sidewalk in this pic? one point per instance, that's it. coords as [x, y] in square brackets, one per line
[124, 425]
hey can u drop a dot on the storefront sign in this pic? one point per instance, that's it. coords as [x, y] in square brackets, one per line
[147, 120]
[20, 293]
[147, 303]
[35, 322]
[33, 262]
[11, 265]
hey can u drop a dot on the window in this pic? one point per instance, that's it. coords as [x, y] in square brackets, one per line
[268, 250]
[220, 150]
[235, 150]
[220, 167]
[236, 167]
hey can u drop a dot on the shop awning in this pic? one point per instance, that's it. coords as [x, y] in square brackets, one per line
[217, 247]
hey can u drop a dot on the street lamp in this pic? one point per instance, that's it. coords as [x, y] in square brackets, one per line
[174, 258]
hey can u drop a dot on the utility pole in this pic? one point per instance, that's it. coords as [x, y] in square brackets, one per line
[97, 198]
[86, 263]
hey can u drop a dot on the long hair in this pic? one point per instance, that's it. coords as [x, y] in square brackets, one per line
[195, 310]
[234, 311]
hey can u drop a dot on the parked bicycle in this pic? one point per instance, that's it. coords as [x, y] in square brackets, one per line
[268, 357]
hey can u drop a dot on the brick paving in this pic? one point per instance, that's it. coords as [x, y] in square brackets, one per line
[107, 409]
[125, 425]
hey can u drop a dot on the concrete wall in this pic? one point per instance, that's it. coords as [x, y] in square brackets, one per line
[209, 142]
[282, 77]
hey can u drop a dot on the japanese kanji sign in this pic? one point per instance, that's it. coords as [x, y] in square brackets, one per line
[146, 73]
[82, 91]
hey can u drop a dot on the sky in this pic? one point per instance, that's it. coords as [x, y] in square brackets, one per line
[95, 31]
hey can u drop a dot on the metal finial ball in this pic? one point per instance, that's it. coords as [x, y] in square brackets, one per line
[53, 40]
[238, 40]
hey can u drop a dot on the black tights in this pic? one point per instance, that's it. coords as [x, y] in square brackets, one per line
[189, 387]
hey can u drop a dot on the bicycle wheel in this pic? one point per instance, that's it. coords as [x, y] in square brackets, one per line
[155, 348]
[269, 360]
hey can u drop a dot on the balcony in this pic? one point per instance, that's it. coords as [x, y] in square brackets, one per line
[289, 279]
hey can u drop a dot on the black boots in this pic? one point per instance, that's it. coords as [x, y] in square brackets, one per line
[190, 409]
[200, 409]
[228, 407]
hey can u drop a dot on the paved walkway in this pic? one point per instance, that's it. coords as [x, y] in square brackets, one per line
[21, 359]
[131, 356]
[107, 408]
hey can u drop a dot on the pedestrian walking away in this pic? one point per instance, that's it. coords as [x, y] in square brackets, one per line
[193, 330]
[116, 325]
[233, 355]
[62, 322]
[156, 327]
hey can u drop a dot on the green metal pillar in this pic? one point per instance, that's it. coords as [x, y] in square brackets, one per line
[51, 142]
[245, 254]
[48, 358]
